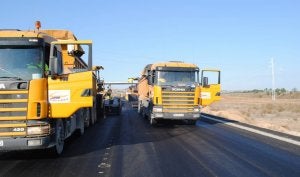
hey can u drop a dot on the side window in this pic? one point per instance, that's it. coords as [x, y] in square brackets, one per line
[211, 77]
[58, 55]
[55, 51]
[47, 55]
[153, 76]
[79, 65]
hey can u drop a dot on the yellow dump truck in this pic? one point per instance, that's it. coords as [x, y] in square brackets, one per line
[173, 90]
[47, 91]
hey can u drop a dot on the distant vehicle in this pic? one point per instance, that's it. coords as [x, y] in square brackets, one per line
[132, 96]
[172, 90]
[113, 106]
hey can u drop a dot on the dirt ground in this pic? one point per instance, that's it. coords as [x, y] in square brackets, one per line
[258, 109]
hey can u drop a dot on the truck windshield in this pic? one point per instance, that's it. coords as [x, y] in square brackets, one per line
[177, 78]
[20, 63]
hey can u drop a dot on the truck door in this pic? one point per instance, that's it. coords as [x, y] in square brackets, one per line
[70, 93]
[70, 87]
[210, 86]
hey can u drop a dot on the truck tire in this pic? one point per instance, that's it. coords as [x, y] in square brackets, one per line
[81, 129]
[144, 115]
[92, 121]
[80, 123]
[99, 107]
[191, 122]
[153, 121]
[86, 116]
[139, 108]
[94, 113]
[119, 110]
[59, 138]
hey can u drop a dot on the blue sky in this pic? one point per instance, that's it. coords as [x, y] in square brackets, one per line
[237, 36]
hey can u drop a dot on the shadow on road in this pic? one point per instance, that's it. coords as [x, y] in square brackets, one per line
[74, 146]
[126, 129]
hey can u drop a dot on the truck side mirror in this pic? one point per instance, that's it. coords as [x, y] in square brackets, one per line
[205, 82]
[97, 68]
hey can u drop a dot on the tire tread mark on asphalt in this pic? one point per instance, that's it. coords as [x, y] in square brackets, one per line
[187, 163]
[241, 151]
[129, 157]
[226, 156]
[80, 157]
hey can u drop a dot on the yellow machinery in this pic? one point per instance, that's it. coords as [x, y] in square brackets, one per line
[47, 91]
[172, 90]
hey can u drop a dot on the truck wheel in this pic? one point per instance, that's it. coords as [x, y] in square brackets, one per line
[119, 111]
[81, 130]
[79, 123]
[99, 107]
[86, 117]
[139, 108]
[153, 121]
[94, 113]
[92, 116]
[59, 137]
[81, 126]
[144, 115]
[192, 122]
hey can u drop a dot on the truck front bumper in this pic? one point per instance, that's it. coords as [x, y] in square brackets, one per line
[8, 144]
[176, 116]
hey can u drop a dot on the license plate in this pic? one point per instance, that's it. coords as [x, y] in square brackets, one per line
[178, 115]
[1, 142]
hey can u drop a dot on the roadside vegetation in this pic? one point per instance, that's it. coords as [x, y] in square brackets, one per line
[267, 92]
[257, 108]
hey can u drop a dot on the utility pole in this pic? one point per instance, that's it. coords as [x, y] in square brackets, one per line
[273, 80]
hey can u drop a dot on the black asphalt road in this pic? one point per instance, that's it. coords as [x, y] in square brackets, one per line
[128, 146]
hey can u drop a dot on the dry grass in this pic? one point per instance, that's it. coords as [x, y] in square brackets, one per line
[258, 109]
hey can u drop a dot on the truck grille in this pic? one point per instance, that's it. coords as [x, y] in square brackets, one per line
[178, 101]
[13, 111]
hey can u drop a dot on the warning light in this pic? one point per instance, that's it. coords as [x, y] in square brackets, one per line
[37, 25]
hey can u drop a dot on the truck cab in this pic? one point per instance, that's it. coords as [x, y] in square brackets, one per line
[47, 92]
[171, 90]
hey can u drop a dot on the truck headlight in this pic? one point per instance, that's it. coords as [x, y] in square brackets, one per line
[196, 109]
[38, 130]
[157, 109]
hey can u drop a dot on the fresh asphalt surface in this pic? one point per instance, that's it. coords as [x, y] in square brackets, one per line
[127, 145]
